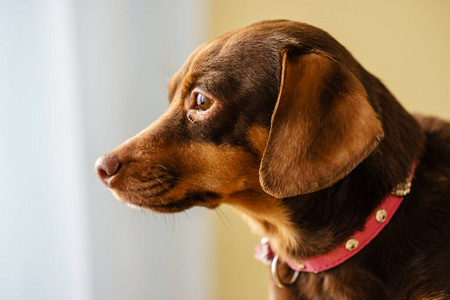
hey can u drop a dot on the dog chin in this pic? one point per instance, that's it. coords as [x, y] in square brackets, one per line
[173, 207]
[167, 207]
[134, 206]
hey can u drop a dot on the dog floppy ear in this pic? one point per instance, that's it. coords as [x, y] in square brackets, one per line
[322, 126]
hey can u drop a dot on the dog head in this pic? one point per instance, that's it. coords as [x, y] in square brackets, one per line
[270, 111]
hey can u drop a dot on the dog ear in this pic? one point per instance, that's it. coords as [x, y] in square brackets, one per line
[322, 126]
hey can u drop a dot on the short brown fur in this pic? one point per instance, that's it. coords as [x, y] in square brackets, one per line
[304, 143]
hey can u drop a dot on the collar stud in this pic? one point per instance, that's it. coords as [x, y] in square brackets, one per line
[351, 244]
[300, 266]
[381, 215]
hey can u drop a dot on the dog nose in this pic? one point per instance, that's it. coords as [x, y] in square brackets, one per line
[107, 167]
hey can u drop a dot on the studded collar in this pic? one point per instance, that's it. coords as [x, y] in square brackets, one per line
[374, 224]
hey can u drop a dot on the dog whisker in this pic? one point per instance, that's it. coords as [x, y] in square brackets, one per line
[164, 168]
[224, 219]
[186, 214]
[168, 189]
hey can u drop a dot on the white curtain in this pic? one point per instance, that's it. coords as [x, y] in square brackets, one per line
[76, 79]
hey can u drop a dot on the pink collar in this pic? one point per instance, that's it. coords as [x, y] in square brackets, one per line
[376, 222]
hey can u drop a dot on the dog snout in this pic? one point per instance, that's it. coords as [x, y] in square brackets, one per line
[107, 167]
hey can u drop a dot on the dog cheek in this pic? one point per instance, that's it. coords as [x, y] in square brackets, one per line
[257, 137]
[233, 168]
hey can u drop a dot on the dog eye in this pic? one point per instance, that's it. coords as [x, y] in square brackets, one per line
[203, 103]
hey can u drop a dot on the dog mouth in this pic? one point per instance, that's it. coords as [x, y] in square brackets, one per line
[161, 190]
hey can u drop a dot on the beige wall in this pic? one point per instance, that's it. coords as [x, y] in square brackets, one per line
[404, 43]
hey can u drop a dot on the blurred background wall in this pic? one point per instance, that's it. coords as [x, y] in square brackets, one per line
[78, 77]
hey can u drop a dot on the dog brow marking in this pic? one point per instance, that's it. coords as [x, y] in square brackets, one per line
[189, 82]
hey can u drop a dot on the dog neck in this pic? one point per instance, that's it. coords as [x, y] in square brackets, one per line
[374, 224]
[327, 218]
[314, 224]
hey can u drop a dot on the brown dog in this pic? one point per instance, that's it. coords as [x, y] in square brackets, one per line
[280, 121]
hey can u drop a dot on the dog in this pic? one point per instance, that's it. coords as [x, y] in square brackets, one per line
[279, 121]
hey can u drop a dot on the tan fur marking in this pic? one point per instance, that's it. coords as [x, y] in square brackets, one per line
[258, 136]
[267, 217]
[189, 82]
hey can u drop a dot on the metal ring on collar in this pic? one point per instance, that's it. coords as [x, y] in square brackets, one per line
[276, 277]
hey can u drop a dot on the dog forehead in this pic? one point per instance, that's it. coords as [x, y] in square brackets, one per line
[230, 62]
[260, 42]
[253, 48]
[249, 59]
[236, 49]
